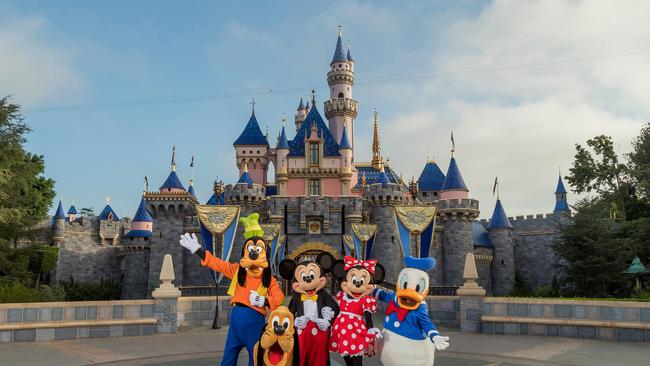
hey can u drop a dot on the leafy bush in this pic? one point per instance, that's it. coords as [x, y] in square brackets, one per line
[91, 291]
[15, 292]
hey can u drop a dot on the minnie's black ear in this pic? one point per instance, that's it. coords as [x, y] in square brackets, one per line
[338, 270]
[379, 275]
[286, 268]
[325, 261]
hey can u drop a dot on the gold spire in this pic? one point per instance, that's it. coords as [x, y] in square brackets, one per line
[376, 147]
[245, 170]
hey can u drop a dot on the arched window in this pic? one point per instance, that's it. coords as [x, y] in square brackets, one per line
[340, 95]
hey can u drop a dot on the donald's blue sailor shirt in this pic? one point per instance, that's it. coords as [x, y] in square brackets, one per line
[416, 325]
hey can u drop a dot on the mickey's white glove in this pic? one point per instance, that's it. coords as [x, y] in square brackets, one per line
[256, 299]
[322, 324]
[376, 332]
[440, 342]
[327, 313]
[190, 242]
[301, 322]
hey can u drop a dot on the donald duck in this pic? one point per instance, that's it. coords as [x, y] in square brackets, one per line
[408, 331]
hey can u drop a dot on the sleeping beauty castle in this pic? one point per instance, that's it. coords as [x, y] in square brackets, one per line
[320, 199]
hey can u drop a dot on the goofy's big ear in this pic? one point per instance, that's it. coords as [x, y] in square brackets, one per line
[325, 261]
[286, 269]
[338, 270]
[379, 275]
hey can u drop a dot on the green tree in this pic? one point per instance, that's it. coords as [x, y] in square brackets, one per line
[639, 160]
[25, 194]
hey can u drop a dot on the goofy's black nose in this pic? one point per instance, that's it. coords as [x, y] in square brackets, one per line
[278, 330]
[253, 255]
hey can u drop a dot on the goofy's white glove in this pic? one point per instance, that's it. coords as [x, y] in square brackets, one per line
[301, 322]
[327, 313]
[440, 342]
[190, 242]
[376, 332]
[256, 299]
[323, 324]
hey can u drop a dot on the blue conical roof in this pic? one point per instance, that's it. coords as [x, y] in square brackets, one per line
[246, 178]
[142, 214]
[499, 218]
[560, 185]
[561, 205]
[60, 214]
[252, 134]
[480, 235]
[217, 200]
[339, 54]
[345, 143]
[191, 191]
[454, 181]
[106, 212]
[283, 143]
[172, 182]
[431, 178]
[297, 145]
[301, 106]
[349, 56]
[72, 210]
[383, 178]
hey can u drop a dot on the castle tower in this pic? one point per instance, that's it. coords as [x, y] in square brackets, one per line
[251, 147]
[376, 162]
[561, 204]
[172, 184]
[72, 213]
[341, 109]
[454, 186]
[282, 153]
[142, 223]
[108, 214]
[134, 254]
[503, 264]
[58, 223]
[301, 115]
[430, 182]
[345, 149]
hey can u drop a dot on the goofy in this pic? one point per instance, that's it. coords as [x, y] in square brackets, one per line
[252, 288]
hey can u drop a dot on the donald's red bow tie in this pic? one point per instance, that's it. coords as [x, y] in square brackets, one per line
[392, 308]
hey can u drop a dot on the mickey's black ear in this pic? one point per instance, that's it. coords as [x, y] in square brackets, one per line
[325, 261]
[379, 275]
[286, 268]
[338, 270]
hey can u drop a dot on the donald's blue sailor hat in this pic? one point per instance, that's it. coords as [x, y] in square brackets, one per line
[424, 264]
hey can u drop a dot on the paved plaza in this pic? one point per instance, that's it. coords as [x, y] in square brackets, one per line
[203, 346]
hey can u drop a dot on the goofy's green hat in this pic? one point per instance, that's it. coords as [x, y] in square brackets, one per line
[252, 226]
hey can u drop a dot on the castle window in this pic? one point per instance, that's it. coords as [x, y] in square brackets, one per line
[314, 187]
[340, 95]
[313, 153]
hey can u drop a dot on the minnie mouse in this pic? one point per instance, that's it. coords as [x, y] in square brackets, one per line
[353, 334]
[312, 307]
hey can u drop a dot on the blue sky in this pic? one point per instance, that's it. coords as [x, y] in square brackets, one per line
[109, 87]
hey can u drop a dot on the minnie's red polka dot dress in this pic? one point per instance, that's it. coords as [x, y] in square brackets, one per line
[349, 333]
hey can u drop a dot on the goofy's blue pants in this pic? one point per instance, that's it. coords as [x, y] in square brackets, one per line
[246, 327]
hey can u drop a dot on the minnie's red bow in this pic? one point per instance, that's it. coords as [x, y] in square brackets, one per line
[353, 262]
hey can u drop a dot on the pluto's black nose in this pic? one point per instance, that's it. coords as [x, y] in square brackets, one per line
[278, 330]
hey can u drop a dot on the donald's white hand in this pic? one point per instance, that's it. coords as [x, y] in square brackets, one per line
[190, 242]
[440, 342]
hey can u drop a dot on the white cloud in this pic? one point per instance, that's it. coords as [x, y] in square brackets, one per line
[33, 69]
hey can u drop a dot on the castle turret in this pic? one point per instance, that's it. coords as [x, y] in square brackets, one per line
[108, 214]
[561, 204]
[142, 223]
[72, 213]
[376, 162]
[172, 183]
[251, 147]
[341, 109]
[58, 224]
[454, 186]
[503, 263]
[301, 115]
[345, 149]
[430, 182]
[281, 154]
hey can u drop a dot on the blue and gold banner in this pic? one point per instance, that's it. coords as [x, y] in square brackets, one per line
[218, 223]
[415, 223]
[363, 236]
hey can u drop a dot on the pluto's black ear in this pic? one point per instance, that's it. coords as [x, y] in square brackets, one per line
[286, 268]
[338, 270]
[325, 261]
[379, 275]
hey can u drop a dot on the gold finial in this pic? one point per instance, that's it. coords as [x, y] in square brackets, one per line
[284, 119]
[313, 98]
[245, 170]
[376, 146]
[253, 105]
[174, 158]
[108, 200]
[363, 178]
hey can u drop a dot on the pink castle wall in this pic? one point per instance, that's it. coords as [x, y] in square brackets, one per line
[142, 226]
[450, 195]
[296, 187]
[331, 187]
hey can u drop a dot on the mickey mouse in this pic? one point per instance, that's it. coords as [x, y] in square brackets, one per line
[353, 333]
[312, 306]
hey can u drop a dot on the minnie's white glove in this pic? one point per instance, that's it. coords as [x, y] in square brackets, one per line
[327, 313]
[376, 332]
[440, 342]
[190, 242]
[256, 299]
[322, 324]
[301, 322]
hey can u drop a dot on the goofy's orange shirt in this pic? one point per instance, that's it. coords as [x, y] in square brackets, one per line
[274, 293]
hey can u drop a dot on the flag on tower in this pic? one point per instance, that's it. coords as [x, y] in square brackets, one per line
[496, 184]
[453, 144]
[192, 162]
[146, 183]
